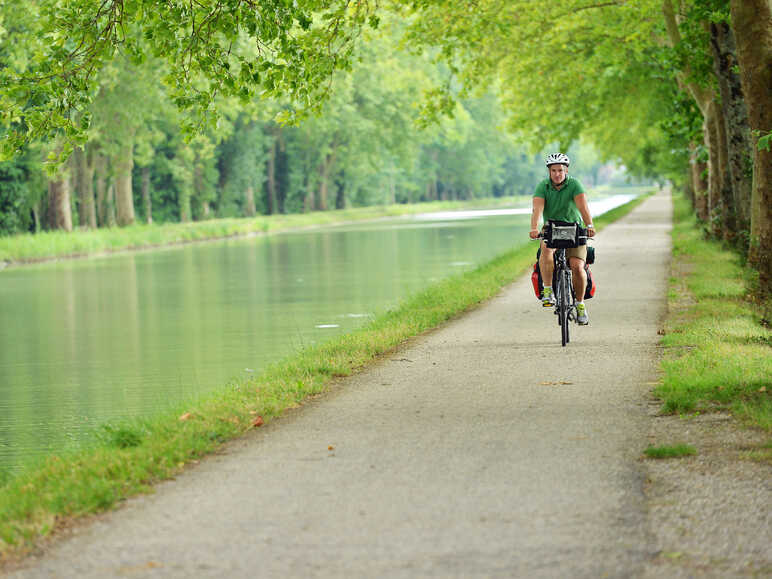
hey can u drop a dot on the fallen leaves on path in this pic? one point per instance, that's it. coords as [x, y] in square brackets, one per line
[258, 421]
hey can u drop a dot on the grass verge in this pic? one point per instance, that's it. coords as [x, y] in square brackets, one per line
[130, 457]
[674, 451]
[718, 356]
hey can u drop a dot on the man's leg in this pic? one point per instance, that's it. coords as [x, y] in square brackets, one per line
[546, 264]
[547, 267]
[579, 277]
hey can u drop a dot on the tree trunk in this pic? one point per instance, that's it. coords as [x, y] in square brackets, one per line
[699, 185]
[309, 202]
[100, 169]
[85, 187]
[59, 209]
[36, 215]
[147, 202]
[324, 177]
[689, 186]
[110, 203]
[725, 225]
[712, 141]
[340, 195]
[281, 172]
[752, 27]
[434, 187]
[198, 188]
[72, 185]
[124, 193]
[249, 202]
[271, 177]
[184, 195]
[91, 205]
[738, 133]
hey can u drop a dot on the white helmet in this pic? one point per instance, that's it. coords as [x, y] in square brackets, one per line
[558, 158]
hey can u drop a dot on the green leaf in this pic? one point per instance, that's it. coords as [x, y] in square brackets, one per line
[764, 141]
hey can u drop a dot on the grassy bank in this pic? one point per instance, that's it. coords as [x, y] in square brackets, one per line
[54, 244]
[128, 458]
[718, 356]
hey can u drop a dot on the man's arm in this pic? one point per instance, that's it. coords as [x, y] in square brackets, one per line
[538, 209]
[584, 209]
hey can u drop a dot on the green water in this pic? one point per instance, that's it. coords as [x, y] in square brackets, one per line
[84, 342]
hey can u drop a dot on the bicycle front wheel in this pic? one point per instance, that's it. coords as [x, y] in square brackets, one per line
[565, 306]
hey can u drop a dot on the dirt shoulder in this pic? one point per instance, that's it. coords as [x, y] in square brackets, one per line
[710, 514]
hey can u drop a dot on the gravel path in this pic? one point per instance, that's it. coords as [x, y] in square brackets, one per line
[482, 449]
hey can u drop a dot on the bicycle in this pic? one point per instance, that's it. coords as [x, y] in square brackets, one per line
[559, 235]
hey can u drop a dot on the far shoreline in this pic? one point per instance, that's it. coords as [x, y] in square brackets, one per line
[52, 246]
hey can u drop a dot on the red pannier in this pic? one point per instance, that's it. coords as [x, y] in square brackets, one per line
[538, 286]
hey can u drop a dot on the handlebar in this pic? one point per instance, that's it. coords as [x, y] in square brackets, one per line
[541, 236]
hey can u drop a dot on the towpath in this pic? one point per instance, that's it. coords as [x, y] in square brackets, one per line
[482, 449]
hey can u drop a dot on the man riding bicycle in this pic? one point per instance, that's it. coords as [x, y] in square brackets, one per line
[560, 197]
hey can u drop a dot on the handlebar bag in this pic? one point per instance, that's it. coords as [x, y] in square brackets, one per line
[563, 234]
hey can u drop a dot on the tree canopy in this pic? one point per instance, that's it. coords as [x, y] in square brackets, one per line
[211, 48]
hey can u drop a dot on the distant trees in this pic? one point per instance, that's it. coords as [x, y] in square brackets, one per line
[135, 163]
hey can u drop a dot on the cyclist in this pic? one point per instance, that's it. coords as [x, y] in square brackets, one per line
[562, 198]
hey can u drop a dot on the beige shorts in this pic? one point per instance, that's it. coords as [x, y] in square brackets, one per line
[580, 252]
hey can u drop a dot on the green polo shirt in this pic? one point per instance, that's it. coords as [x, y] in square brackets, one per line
[560, 205]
